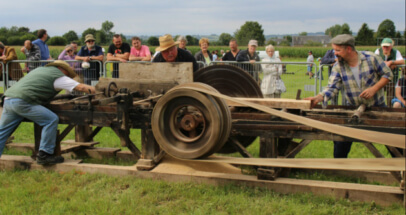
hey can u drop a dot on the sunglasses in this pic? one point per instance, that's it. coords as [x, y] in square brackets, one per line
[90, 41]
[70, 51]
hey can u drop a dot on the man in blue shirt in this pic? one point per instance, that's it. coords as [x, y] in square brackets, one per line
[40, 42]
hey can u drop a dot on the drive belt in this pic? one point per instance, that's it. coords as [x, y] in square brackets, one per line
[394, 140]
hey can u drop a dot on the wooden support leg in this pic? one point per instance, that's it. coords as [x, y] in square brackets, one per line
[378, 154]
[151, 153]
[268, 149]
[82, 132]
[37, 140]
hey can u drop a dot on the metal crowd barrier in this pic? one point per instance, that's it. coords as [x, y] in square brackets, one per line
[293, 75]
[16, 69]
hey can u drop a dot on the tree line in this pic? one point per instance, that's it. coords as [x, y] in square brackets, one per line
[249, 30]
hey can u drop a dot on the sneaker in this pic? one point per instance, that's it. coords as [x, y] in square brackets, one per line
[44, 158]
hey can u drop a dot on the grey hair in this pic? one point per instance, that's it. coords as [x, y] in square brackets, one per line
[68, 46]
[269, 47]
[181, 38]
[1, 45]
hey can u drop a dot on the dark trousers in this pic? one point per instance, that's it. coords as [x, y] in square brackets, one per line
[341, 149]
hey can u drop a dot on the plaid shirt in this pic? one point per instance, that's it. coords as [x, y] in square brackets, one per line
[372, 68]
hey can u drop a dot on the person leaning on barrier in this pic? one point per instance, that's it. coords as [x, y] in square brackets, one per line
[118, 51]
[91, 53]
[32, 53]
[169, 52]
[250, 55]
[400, 91]
[14, 69]
[362, 75]
[26, 99]
[204, 54]
[272, 75]
[392, 58]
[232, 54]
[139, 52]
[182, 43]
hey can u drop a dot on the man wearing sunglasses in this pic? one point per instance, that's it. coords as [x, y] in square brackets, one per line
[91, 53]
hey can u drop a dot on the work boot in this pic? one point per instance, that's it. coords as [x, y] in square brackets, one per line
[44, 158]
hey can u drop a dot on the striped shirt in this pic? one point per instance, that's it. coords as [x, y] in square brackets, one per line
[371, 67]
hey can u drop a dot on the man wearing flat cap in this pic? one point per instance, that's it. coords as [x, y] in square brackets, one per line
[250, 55]
[169, 52]
[26, 98]
[362, 75]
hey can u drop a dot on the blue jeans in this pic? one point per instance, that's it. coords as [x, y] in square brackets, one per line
[15, 110]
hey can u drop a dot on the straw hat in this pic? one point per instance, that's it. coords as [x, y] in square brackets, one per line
[166, 42]
[63, 65]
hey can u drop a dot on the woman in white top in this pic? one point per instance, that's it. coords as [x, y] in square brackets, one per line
[272, 85]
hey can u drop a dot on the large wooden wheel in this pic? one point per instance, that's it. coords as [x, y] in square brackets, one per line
[232, 81]
[188, 124]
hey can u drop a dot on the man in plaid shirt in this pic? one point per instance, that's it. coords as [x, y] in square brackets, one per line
[362, 75]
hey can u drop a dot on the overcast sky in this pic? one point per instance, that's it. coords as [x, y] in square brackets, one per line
[181, 17]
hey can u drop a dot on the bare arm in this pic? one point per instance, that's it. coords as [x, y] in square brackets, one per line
[398, 95]
[370, 92]
[85, 88]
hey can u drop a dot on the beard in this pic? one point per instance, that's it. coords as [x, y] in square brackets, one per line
[90, 46]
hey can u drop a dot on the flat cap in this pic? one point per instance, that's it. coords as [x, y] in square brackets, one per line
[343, 39]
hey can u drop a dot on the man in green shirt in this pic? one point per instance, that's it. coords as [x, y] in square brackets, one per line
[26, 98]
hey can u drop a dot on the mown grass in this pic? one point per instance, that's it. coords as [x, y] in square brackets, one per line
[73, 192]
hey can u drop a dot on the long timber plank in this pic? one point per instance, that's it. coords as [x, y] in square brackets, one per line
[366, 164]
[383, 195]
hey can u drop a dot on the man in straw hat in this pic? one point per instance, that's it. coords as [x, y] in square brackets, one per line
[362, 75]
[169, 52]
[26, 98]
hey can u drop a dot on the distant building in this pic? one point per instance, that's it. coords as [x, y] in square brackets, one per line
[302, 40]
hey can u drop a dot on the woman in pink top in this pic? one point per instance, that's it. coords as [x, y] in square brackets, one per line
[139, 52]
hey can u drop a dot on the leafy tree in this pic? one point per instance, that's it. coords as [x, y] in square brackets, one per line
[288, 38]
[365, 36]
[88, 31]
[400, 40]
[303, 33]
[3, 39]
[28, 36]
[338, 29]
[192, 40]
[270, 42]
[248, 31]
[14, 40]
[57, 41]
[106, 29]
[386, 29]
[71, 36]
[225, 38]
[345, 29]
[153, 41]
[333, 30]
[284, 43]
[101, 38]
[23, 30]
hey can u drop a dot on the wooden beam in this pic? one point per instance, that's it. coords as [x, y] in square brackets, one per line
[274, 103]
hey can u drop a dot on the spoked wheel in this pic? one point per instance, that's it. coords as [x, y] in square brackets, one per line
[186, 124]
[232, 81]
